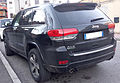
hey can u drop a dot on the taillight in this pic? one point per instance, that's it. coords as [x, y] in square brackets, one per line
[60, 34]
[111, 27]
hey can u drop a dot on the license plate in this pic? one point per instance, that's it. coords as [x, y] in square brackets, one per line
[93, 35]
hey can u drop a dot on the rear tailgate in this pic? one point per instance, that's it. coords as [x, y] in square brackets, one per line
[91, 24]
[89, 39]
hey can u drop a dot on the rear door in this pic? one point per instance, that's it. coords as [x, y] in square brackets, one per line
[91, 24]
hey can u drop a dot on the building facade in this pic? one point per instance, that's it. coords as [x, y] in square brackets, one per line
[14, 6]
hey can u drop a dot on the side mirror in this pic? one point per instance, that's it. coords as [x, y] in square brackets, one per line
[116, 19]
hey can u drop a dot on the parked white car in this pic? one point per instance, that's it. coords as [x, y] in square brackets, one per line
[3, 24]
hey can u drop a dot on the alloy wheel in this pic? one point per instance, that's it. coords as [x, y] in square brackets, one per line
[34, 65]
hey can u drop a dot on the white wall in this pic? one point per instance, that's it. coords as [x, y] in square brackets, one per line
[32, 2]
[112, 9]
[16, 6]
[73, 1]
[11, 7]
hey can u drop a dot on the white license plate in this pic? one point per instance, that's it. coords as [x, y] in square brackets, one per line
[93, 35]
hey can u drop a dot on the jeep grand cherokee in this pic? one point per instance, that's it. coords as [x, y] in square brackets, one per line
[60, 38]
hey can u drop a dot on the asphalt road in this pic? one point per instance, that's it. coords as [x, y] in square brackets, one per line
[4, 77]
[105, 72]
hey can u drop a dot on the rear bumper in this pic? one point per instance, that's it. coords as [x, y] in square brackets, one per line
[94, 51]
[102, 55]
[81, 64]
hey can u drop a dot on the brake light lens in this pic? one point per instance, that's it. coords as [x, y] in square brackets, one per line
[55, 33]
[60, 34]
[111, 27]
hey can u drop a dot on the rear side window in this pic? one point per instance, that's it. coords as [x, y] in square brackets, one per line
[39, 17]
[67, 18]
[33, 16]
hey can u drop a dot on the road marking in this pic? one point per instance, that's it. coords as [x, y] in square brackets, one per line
[11, 72]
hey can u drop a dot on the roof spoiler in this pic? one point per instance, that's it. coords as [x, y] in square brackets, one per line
[80, 4]
[75, 6]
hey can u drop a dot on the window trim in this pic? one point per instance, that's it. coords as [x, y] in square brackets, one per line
[16, 17]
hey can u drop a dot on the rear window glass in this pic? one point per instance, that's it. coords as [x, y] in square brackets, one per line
[80, 17]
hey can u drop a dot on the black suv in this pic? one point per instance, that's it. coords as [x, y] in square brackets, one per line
[60, 38]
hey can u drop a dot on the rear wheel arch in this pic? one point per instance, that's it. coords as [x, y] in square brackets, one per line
[32, 45]
[43, 74]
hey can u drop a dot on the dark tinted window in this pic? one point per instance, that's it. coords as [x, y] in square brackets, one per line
[80, 17]
[16, 21]
[26, 17]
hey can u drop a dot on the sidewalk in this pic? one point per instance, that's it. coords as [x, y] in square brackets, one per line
[117, 36]
[4, 77]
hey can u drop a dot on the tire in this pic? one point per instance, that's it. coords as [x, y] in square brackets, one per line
[39, 73]
[1, 39]
[9, 52]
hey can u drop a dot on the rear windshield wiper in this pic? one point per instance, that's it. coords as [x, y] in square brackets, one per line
[96, 19]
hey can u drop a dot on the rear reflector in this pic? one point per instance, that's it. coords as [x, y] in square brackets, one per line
[63, 62]
[59, 34]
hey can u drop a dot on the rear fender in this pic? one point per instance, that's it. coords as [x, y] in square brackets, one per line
[34, 45]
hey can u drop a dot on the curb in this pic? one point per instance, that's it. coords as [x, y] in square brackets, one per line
[117, 39]
[9, 69]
